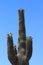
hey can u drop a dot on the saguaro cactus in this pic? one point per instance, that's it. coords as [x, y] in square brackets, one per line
[24, 53]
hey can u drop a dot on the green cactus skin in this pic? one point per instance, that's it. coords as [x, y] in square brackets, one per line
[24, 53]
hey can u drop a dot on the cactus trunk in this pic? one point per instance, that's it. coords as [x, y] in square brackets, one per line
[22, 33]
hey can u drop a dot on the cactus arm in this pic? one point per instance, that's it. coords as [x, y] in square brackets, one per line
[28, 48]
[11, 49]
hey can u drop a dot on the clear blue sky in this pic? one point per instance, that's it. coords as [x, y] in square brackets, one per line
[33, 22]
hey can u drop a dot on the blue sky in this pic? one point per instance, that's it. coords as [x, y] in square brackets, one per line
[33, 22]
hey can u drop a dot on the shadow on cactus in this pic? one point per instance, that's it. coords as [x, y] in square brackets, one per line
[24, 53]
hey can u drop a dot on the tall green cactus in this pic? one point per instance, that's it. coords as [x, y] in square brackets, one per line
[24, 53]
